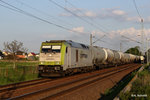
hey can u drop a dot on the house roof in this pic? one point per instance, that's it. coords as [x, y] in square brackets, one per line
[21, 56]
[32, 53]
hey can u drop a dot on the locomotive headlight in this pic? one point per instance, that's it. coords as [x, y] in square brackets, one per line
[42, 63]
[50, 55]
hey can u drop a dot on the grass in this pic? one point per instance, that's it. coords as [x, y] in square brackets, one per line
[24, 71]
[141, 86]
[19, 63]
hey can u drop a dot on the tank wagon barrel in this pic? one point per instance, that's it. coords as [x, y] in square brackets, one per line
[99, 55]
[110, 56]
[117, 57]
[132, 57]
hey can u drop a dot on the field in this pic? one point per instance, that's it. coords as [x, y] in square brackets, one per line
[25, 70]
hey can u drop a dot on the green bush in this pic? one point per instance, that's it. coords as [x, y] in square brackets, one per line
[125, 96]
[143, 73]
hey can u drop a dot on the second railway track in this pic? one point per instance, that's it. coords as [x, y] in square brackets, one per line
[22, 84]
[63, 86]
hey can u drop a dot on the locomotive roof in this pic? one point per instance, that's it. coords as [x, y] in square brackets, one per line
[71, 43]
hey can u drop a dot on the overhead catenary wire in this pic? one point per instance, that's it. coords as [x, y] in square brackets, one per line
[9, 8]
[137, 9]
[88, 17]
[84, 14]
[103, 40]
[78, 16]
[42, 12]
[98, 39]
[141, 19]
[125, 41]
[142, 26]
[14, 8]
[74, 14]
[131, 39]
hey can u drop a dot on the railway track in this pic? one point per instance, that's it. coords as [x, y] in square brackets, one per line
[67, 85]
[22, 84]
[19, 85]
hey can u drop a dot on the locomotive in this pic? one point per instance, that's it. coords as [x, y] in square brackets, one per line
[65, 57]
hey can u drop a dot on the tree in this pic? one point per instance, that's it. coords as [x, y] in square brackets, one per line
[13, 47]
[134, 50]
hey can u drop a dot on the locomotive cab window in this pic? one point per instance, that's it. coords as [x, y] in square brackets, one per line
[51, 49]
[46, 49]
[56, 49]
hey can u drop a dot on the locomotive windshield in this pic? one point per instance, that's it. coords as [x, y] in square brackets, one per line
[51, 49]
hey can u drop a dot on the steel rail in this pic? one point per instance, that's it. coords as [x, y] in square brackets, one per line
[82, 85]
[18, 85]
[74, 81]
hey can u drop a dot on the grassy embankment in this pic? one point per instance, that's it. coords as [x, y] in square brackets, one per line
[140, 88]
[25, 70]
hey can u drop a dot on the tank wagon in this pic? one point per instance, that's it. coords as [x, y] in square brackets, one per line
[65, 57]
[117, 57]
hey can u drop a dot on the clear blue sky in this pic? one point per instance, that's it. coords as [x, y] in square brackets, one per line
[112, 16]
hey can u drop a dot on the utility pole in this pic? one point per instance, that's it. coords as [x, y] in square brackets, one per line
[142, 35]
[91, 40]
[91, 46]
[121, 43]
[142, 41]
[147, 51]
[121, 46]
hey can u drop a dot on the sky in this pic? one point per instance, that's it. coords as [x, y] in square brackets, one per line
[44, 20]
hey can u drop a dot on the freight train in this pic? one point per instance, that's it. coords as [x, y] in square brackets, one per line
[65, 57]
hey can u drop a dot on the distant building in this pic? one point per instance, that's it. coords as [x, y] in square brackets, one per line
[31, 56]
[20, 53]
[21, 56]
[37, 55]
[6, 53]
[1, 55]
